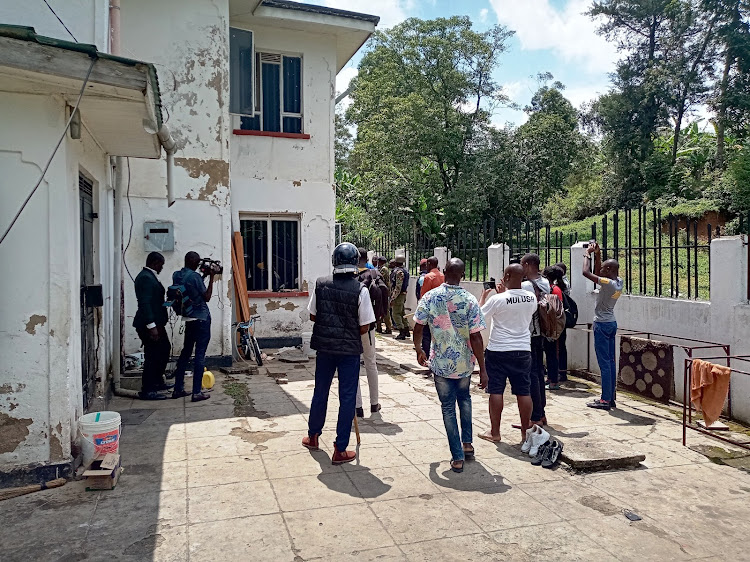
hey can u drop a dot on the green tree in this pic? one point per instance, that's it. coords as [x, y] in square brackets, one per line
[421, 103]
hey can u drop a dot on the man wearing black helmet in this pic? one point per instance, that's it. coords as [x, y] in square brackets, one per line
[342, 311]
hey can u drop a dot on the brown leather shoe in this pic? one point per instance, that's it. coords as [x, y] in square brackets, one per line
[311, 442]
[340, 457]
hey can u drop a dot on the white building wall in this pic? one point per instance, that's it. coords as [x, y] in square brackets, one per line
[188, 41]
[293, 176]
[87, 20]
[40, 392]
[726, 319]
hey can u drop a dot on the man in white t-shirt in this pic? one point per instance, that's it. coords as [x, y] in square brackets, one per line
[508, 354]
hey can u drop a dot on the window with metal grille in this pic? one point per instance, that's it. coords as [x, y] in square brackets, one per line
[271, 253]
[278, 94]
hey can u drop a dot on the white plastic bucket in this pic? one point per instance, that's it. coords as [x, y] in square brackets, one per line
[101, 434]
[306, 350]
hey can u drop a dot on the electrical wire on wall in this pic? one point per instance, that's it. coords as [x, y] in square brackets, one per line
[57, 146]
[130, 234]
[61, 21]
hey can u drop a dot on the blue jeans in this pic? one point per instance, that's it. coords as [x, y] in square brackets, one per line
[197, 335]
[604, 345]
[451, 391]
[325, 367]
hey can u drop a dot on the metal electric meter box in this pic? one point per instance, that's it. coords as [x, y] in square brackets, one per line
[158, 236]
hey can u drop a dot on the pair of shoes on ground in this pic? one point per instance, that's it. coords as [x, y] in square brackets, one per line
[373, 409]
[548, 454]
[194, 397]
[600, 404]
[339, 457]
[535, 438]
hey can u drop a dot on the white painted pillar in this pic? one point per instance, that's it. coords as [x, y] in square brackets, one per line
[498, 257]
[441, 254]
[581, 343]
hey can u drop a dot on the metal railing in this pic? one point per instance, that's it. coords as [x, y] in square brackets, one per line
[661, 256]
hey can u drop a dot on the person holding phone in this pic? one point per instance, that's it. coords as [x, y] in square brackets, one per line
[508, 354]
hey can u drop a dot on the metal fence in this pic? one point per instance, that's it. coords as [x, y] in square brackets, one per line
[662, 256]
[659, 256]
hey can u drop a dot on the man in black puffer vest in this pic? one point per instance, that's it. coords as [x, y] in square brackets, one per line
[342, 312]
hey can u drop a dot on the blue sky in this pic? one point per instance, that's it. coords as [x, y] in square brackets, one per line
[551, 35]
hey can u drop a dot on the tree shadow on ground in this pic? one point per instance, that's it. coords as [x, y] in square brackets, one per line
[474, 478]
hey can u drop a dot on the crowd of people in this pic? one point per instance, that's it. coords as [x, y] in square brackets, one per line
[448, 322]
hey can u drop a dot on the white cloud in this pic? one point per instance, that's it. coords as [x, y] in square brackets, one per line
[567, 31]
[483, 14]
[391, 12]
[515, 89]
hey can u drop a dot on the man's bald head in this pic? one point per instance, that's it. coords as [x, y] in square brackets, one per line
[432, 263]
[610, 269]
[513, 276]
[454, 271]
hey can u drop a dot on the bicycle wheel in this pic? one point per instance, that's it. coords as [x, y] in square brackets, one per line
[256, 350]
[241, 344]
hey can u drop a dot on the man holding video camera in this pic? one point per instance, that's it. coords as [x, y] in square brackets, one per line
[197, 322]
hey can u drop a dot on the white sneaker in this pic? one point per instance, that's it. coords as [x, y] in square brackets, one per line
[527, 444]
[538, 439]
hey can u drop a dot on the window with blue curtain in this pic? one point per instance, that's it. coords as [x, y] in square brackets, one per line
[278, 103]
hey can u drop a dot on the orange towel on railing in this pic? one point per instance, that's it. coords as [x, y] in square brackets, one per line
[709, 389]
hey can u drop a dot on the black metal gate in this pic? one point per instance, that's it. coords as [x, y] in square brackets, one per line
[88, 335]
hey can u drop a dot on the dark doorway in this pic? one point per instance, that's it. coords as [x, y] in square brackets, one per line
[88, 335]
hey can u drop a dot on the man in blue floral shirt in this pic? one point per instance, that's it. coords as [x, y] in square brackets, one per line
[456, 322]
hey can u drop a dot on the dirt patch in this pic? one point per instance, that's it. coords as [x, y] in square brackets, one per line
[244, 405]
[13, 432]
[600, 504]
[257, 438]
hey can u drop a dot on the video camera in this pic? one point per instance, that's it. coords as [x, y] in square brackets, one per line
[209, 266]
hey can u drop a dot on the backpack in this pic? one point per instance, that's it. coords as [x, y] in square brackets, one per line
[571, 311]
[552, 318]
[178, 300]
[379, 294]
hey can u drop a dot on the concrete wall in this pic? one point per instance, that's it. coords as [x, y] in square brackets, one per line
[88, 20]
[188, 41]
[726, 319]
[40, 390]
[293, 176]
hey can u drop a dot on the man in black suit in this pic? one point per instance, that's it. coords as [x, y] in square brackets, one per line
[150, 321]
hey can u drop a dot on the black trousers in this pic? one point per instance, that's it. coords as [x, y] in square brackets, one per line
[156, 356]
[538, 392]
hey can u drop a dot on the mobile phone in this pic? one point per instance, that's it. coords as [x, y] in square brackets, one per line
[491, 284]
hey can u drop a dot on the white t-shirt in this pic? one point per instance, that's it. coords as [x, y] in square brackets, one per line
[511, 314]
[366, 312]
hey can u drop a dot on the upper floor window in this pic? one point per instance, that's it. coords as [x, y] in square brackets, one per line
[265, 88]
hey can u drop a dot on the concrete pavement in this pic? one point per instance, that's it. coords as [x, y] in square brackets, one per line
[227, 479]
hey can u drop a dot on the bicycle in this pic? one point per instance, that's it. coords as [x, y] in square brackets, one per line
[245, 343]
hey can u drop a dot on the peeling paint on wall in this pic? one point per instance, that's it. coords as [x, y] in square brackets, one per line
[216, 171]
[297, 183]
[253, 309]
[6, 389]
[34, 321]
[55, 448]
[13, 432]
[273, 305]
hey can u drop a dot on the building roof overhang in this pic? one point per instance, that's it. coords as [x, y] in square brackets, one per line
[121, 105]
[351, 29]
